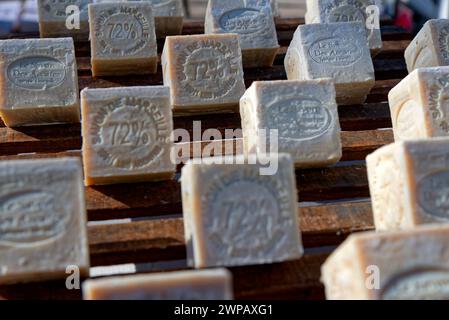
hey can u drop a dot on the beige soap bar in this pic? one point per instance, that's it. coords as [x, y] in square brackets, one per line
[335, 50]
[304, 114]
[234, 215]
[123, 38]
[430, 48]
[401, 265]
[419, 104]
[253, 21]
[204, 73]
[42, 220]
[38, 82]
[330, 11]
[213, 284]
[409, 183]
[127, 134]
[60, 18]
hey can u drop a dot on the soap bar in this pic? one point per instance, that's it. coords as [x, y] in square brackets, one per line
[330, 11]
[253, 21]
[409, 183]
[275, 8]
[419, 104]
[304, 114]
[127, 134]
[60, 18]
[335, 50]
[430, 48]
[43, 227]
[234, 215]
[38, 82]
[204, 73]
[400, 265]
[123, 38]
[214, 284]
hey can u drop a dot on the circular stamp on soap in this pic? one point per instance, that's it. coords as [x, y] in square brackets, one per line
[336, 51]
[243, 21]
[433, 194]
[346, 11]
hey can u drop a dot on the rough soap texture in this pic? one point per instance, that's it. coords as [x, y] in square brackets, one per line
[38, 82]
[42, 219]
[305, 115]
[126, 134]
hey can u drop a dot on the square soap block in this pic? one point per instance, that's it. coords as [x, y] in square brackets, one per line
[335, 50]
[401, 265]
[204, 73]
[127, 134]
[60, 18]
[213, 284]
[419, 104]
[122, 38]
[305, 115]
[43, 227]
[38, 82]
[409, 182]
[330, 11]
[253, 21]
[234, 215]
[430, 47]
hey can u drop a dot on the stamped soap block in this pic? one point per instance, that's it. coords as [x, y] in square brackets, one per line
[126, 134]
[43, 227]
[331, 11]
[204, 73]
[123, 38]
[305, 115]
[253, 21]
[400, 265]
[234, 215]
[335, 50]
[213, 284]
[430, 48]
[38, 82]
[63, 18]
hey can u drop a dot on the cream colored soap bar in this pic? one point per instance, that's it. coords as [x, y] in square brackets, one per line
[123, 38]
[253, 21]
[42, 220]
[204, 73]
[38, 82]
[127, 134]
[60, 18]
[182, 285]
[335, 50]
[235, 216]
[304, 114]
[329, 11]
[404, 265]
[430, 48]
[419, 104]
[409, 183]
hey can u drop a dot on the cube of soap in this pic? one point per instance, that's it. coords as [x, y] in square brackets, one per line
[204, 73]
[126, 134]
[43, 227]
[335, 50]
[60, 18]
[419, 104]
[38, 82]
[401, 265]
[234, 215]
[409, 183]
[305, 115]
[253, 21]
[181, 285]
[329, 11]
[123, 38]
[430, 48]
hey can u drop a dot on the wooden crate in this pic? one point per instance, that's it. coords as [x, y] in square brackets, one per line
[334, 201]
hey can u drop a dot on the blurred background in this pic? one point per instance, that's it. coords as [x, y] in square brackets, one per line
[21, 15]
